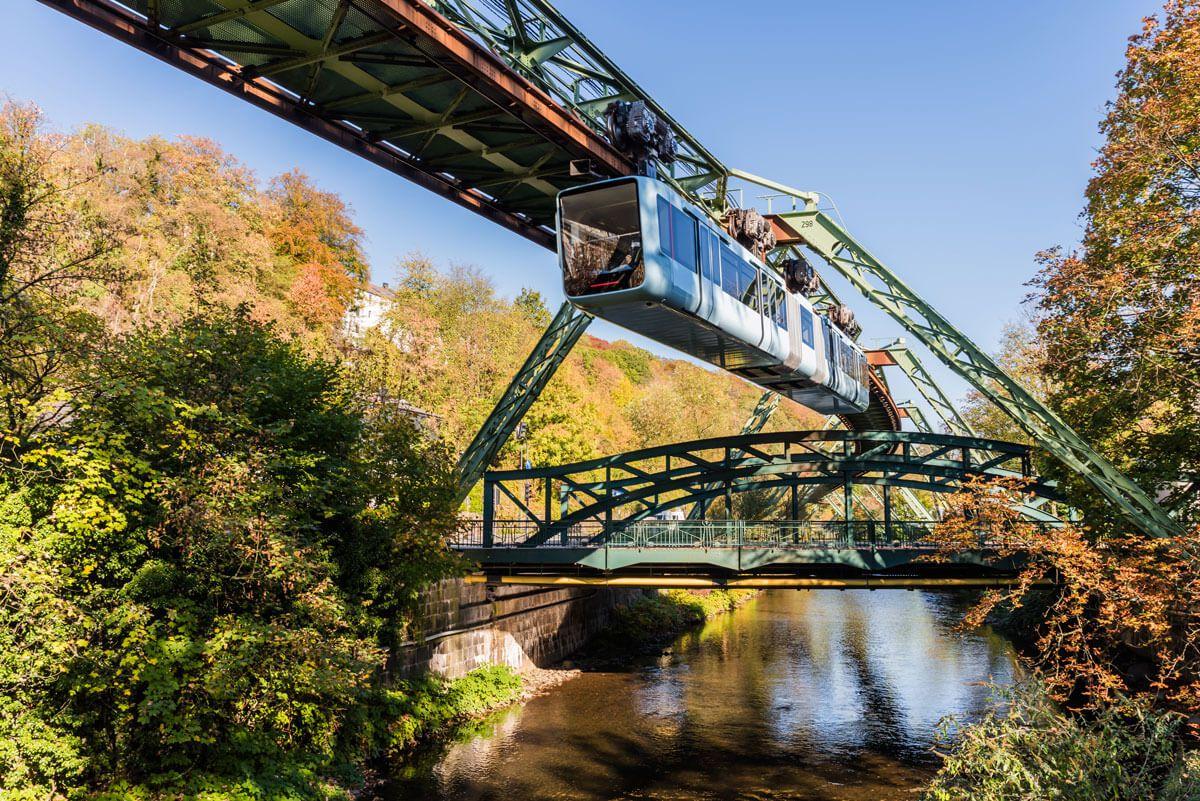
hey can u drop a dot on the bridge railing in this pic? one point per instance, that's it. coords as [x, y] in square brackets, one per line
[784, 534]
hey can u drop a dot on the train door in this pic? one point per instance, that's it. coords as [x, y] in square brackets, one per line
[710, 274]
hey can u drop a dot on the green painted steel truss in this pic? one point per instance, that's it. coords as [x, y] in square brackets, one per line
[497, 105]
[886, 290]
[614, 491]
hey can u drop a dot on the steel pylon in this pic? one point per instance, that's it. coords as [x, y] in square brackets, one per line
[885, 289]
[560, 336]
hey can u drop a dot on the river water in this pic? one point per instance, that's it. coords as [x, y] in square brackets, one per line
[798, 695]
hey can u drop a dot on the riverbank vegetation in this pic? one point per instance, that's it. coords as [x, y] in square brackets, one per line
[416, 710]
[1028, 748]
[658, 617]
[1114, 347]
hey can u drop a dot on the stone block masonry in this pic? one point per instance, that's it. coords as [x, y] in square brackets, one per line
[460, 626]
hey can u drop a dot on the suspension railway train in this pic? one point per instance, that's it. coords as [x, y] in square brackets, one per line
[636, 253]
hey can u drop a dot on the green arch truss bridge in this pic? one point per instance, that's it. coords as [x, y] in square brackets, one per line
[612, 513]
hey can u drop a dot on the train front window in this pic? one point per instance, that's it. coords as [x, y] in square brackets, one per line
[601, 240]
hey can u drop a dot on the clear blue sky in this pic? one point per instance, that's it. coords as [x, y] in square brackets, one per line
[955, 137]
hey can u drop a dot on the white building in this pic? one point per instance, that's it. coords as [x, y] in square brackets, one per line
[370, 307]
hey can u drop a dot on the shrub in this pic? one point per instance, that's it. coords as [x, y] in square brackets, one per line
[1027, 749]
[655, 617]
[192, 565]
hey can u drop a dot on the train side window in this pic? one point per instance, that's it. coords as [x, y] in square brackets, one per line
[806, 327]
[748, 282]
[664, 226]
[729, 271]
[709, 264]
[776, 305]
[683, 238]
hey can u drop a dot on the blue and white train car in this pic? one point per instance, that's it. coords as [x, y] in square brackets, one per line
[636, 253]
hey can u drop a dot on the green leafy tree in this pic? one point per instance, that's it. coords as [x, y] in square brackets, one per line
[532, 306]
[206, 563]
[1120, 317]
[53, 252]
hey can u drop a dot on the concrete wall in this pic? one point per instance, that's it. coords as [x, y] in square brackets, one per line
[463, 626]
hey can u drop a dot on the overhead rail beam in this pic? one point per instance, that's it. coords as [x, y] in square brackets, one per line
[392, 81]
[536, 41]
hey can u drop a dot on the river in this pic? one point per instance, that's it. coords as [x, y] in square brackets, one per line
[798, 695]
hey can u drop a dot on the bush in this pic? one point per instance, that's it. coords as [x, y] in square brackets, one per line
[1026, 749]
[656, 617]
[413, 711]
[204, 567]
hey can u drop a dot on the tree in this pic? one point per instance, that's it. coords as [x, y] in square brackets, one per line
[1120, 317]
[314, 231]
[205, 564]
[532, 305]
[52, 252]
[1022, 357]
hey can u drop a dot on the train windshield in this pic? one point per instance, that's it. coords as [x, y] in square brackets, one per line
[601, 240]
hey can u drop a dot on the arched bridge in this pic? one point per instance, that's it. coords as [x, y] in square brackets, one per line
[606, 520]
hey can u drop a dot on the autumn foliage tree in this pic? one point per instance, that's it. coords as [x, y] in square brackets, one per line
[1120, 316]
[1115, 617]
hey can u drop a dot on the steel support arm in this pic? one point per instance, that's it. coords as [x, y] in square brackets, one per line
[543, 362]
[929, 389]
[887, 291]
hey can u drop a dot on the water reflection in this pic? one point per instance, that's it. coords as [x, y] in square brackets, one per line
[816, 695]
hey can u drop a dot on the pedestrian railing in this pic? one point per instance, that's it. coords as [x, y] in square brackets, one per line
[784, 534]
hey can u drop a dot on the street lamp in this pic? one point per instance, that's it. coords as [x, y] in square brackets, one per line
[521, 434]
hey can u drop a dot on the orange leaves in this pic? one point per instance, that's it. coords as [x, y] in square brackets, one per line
[1123, 618]
[320, 294]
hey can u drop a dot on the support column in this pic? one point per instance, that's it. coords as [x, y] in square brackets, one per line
[489, 513]
[887, 512]
[848, 508]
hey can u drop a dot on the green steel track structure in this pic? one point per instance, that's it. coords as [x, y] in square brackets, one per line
[821, 234]
[612, 492]
[498, 105]
[928, 389]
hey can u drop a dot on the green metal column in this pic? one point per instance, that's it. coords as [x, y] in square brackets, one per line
[929, 389]
[887, 512]
[885, 289]
[560, 336]
[489, 514]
